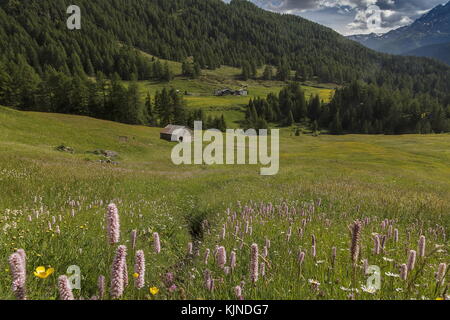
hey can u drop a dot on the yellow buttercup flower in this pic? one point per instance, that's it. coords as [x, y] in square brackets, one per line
[154, 290]
[43, 273]
[440, 298]
[135, 275]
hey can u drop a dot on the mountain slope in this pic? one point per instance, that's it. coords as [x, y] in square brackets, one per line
[431, 29]
[213, 32]
[439, 51]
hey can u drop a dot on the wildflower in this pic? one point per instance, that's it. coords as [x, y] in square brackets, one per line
[265, 252]
[233, 260]
[117, 273]
[388, 259]
[314, 284]
[440, 275]
[263, 269]
[156, 242]
[173, 288]
[113, 224]
[101, 286]
[208, 281]
[366, 266]
[125, 274]
[139, 269]
[224, 231]
[238, 291]
[404, 271]
[370, 290]
[396, 235]
[421, 246]
[17, 265]
[392, 275]
[356, 236]
[207, 253]
[189, 248]
[65, 291]
[254, 263]
[377, 244]
[411, 260]
[43, 273]
[133, 238]
[349, 289]
[154, 290]
[168, 279]
[221, 257]
[301, 257]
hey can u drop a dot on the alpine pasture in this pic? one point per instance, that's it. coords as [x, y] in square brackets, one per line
[338, 205]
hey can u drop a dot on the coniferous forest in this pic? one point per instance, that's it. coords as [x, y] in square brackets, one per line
[46, 67]
[356, 108]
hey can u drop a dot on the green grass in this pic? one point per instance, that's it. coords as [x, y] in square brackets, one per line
[402, 178]
[201, 92]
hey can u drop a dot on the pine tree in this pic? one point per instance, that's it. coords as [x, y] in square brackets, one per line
[268, 73]
[246, 72]
[290, 119]
[283, 71]
[5, 86]
[151, 116]
[167, 74]
[314, 108]
[135, 109]
[336, 125]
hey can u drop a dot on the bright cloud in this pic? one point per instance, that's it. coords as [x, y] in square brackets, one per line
[351, 16]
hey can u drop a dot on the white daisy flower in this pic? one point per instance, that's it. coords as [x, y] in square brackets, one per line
[370, 290]
[393, 275]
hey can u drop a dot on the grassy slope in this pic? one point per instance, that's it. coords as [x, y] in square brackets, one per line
[232, 107]
[403, 177]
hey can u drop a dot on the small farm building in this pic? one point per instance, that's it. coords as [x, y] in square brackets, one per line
[176, 133]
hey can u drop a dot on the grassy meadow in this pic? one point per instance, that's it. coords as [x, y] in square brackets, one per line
[200, 92]
[53, 205]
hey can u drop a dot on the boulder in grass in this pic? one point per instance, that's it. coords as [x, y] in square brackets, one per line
[106, 153]
[64, 148]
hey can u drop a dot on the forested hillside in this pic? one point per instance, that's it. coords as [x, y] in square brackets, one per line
[356, 108]
[38, 52]
[439, 51]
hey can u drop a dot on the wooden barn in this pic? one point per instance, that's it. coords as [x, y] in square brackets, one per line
[175, 133]
[230, 92]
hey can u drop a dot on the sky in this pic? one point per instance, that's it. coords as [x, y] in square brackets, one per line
[354, 16]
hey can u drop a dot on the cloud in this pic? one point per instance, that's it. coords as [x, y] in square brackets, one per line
[354, 13]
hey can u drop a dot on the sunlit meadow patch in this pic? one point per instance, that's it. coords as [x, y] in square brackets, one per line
[54, 205]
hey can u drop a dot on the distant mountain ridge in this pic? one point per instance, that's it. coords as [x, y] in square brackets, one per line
[439, 51]
[428, 36]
